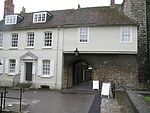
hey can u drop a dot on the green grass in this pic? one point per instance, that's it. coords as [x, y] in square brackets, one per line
[147, 97]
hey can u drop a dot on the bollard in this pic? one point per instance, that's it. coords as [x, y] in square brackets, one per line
[113, 89]
[1, 109]
[21, 90]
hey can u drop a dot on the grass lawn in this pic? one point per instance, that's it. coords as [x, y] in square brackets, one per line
[147, 97]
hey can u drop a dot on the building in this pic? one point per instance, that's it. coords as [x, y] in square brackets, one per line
[139, 11]
[61, 49]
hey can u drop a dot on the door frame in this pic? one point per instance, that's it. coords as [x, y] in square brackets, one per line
[23, 70]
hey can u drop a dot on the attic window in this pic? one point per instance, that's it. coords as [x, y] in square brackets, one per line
[10, 19]
[39, 17]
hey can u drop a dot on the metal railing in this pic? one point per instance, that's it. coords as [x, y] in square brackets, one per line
[3, 96]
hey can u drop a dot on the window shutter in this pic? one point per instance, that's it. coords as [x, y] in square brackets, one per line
[33, 68]
[39, 67]
[17, 67]
[52, 68]
[1, 66]
[6, 66]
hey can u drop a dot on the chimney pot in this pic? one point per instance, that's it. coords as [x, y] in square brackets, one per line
[23, 11]
[112, 4]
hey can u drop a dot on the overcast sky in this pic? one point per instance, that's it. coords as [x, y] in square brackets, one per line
[42, 5]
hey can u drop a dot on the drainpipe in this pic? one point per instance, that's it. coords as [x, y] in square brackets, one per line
[57, 48]
[62, 71]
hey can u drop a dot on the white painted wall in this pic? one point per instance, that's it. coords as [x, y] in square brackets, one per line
[54, 53]
[101, 40]
[65, 40]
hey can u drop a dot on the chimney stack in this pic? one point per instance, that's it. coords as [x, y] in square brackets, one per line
[112, 4]
[8, 7]
[23, 11]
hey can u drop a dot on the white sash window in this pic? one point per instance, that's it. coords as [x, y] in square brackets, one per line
[12, 66]
[126, 34]
[14, 42]
[84, 35]
[48, 39]
[47, 69]
[1, 40]
[30, 40]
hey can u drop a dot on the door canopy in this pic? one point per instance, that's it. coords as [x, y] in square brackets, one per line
[28, 56]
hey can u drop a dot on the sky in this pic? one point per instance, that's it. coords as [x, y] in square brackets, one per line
[43, 5]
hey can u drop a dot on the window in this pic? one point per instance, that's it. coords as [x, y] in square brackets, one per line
[126, 34]
[14, 40]
[46, 67]
[10, 19]
[30, 40]
[48, 39]
[12, 65]
[84, 34]
[39, 17]
[1, 40]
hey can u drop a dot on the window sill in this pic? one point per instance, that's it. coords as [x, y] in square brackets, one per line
[84, 42]
[11, 74]
[47, 47]
[29, 47]
[126, 42]
[45, 76]
[13, 48]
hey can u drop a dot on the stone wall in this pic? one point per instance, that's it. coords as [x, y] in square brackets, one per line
[136, 9]
[121, 69]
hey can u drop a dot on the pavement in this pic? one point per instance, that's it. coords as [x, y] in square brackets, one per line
[47, 101]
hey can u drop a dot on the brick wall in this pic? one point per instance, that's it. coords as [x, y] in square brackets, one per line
[8, 7]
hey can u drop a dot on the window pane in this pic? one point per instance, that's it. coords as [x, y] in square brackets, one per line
[15, 40]
[1, 40]
[126, 34]
[40, 17]
[12, 64]
[84, 34]
[30, 40]
[46, 67]
[48, 39]
[11, 19]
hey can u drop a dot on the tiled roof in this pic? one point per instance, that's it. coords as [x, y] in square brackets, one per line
[94, 16]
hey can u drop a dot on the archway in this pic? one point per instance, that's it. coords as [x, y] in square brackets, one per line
[82, 72]
[78, 72]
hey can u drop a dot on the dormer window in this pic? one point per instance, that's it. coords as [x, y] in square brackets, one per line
[41, 17]
[12, 19]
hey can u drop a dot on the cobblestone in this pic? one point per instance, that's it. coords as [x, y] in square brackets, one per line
[109, 105]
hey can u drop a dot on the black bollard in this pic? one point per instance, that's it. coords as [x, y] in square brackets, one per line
[1, 109]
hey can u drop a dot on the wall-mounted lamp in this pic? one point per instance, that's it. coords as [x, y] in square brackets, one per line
[76, 52]
[90, 67]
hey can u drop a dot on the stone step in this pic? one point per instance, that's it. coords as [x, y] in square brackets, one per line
[77, 91]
